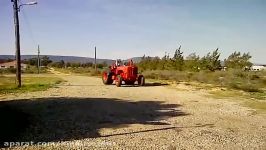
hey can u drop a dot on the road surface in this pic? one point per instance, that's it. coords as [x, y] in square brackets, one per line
[84, 113]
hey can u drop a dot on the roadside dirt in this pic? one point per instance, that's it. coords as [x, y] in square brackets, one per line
[84, 113]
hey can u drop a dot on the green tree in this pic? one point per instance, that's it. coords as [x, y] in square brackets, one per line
[142, 63]
[236, 60]
[178, 59]
[162, 62]
[68, 64]
[33, 61]
[192, 62]
[104, 64]
[168, 62]
[155, 63]
[45, 60]
[211, 61]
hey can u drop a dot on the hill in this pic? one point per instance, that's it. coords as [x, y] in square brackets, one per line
[76, 59]
[56, 58]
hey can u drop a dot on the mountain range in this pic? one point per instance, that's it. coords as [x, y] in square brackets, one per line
[75, 59]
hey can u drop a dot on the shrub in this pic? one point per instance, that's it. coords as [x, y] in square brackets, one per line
[8, 70]
[240, 74]
[34, 70]
[243, 86]
[234, 79]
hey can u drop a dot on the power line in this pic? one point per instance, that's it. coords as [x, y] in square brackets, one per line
[28, 26]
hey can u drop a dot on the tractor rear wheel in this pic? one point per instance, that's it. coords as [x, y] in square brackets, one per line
[141, 80]
[107, 78]
[118, 81]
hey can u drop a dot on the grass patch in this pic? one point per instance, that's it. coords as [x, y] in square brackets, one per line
[219, 94]
[255, 100]
[239, 94]
[29, 84]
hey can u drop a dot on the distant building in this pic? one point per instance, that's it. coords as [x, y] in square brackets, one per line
[12, 64]
[258, 67]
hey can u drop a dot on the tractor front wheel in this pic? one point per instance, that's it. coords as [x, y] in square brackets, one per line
[141, 80]
[107, 78]
[118, 81]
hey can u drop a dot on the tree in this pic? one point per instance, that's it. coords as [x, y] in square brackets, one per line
[211, 61]
[142, 62]
[238, 61]
[168, 62]
[104, 64]
[178, 59]
[33, 61]
[45, 60]
[192, 62]
[155, 63]
[162, 62]
[59, 64]
[68, 64]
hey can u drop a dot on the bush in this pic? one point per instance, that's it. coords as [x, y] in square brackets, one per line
[240, 74]
[8, 70]
[234, 79]
[244, 87]
[30, 70]
[34, 70]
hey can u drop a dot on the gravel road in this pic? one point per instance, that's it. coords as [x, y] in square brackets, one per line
[82, 113]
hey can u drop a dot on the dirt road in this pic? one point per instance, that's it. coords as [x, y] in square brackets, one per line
[84, 113]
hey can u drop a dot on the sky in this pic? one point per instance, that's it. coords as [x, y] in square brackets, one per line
[129, 28]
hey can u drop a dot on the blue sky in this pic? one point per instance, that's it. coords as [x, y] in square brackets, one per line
[128, 28]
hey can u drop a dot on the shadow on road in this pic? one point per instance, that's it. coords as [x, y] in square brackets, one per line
[159, 129]
[156, 84]
[146, 84]
[69, 118]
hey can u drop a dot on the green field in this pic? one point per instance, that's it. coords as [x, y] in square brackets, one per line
[29, 83]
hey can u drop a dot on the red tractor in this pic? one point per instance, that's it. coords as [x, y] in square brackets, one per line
[126, 72]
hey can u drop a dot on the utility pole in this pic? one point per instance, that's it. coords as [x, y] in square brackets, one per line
[18, 57]
[38, 60]
[95, 63]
